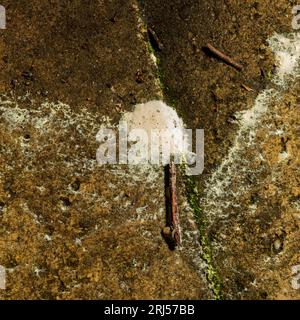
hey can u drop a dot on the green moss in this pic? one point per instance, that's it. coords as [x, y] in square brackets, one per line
[166, 90]
[168, 93]
[150, 48]
[193, 197]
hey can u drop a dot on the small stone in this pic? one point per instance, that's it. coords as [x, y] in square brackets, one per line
[167, 231]
[277, 245]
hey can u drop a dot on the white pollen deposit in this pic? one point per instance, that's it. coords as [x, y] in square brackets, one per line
[157, 117]
[220, 190]
[287, 54]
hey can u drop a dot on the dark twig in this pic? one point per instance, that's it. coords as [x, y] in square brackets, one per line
[154, 39]
[224, 57]
[172, 232]
[176, 232]
[247, 88]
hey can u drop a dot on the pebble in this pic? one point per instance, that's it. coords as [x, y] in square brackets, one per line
[277, 245]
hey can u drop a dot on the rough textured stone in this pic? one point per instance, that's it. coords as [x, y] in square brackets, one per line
[249, 197]
[72, 229]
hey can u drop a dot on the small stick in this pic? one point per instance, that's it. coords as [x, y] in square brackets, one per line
[175, 226]
[224, 57]
[155, 38]
[247, 88]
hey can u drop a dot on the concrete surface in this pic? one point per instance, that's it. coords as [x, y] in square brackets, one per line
[70, 229]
